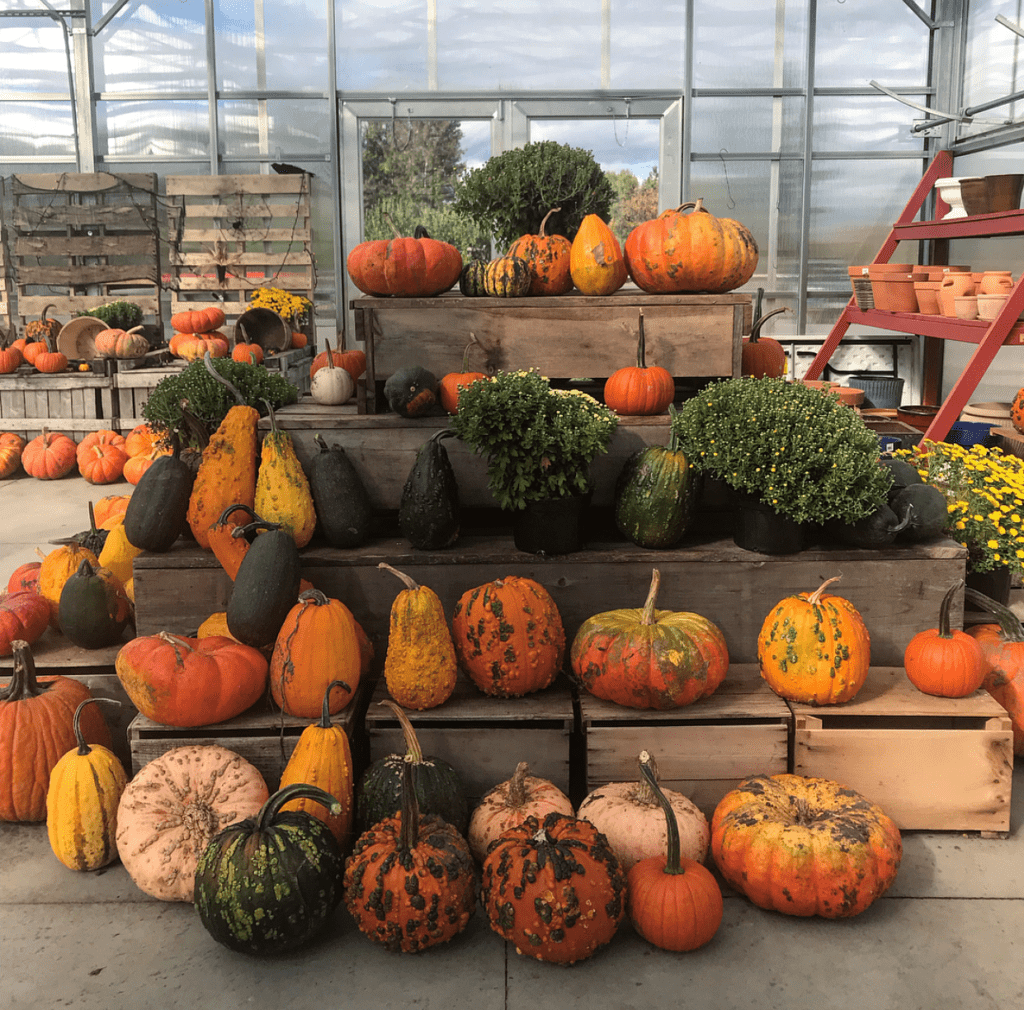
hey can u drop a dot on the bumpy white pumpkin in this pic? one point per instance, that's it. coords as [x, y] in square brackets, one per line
[331, 385]
[632, 820]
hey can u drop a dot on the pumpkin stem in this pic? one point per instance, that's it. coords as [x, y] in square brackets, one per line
[251, 529]
[325, 716]
[330, 356]
[409, 835]
[23, 683]
[409, 582]
[46, 308]
[641, 347]
[387, 217]
[296, 791]
[815, 597]
[465, 353]
[647, 616]
[643, 793]
[83, 747]
[178, 644]
[944, 630]
[208, 361]
[755, 330]
[270, 412]
[234, 508]
[412, 744]
[540, 231]
[516, 797]
[1010, 628]
[647, 770]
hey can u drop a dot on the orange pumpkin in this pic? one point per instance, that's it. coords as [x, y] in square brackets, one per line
[11, 448]
[1017, 411]
[640, 390]
[50, 360]
[194, 346]
[680, 252]
[299, 340]
[49, 456]
[10, 356]
[944, 661]
[110, 506]
[118, 343]
[102, 464]
[245, 352]
[416, 267]
[136, 466]
[198, 320]
[595, 258]
[141, 439]
[763, 356]
[452, 384]
[354, 362]
[547, 256]
[39, 329]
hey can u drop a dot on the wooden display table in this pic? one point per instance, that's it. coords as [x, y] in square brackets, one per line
[573, 335]
[935, 763]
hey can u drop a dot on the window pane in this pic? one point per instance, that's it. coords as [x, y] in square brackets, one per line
[294, 127]
[33, 55]
[864, 124]
[36, 130]
[130, 129]
[995, 63]
[738, 125]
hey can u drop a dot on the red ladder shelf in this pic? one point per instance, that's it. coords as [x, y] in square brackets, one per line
[1005, 330]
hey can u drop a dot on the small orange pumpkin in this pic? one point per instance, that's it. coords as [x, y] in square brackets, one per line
[102, 463]
[299, 340]
[547, 256]
[245, 352]
[763, 356]
[198, 320]
[50, 360]
[49, 456]
[354, 362]
[141, 439]
[10, 356]
[640, 390]
[452, 384]
[595, 258]
[944, 661]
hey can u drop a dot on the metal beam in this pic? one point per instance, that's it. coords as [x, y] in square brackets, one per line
[211, 90]
[105, 20]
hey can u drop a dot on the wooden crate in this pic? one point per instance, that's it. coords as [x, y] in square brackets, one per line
[79, 240]
[484, 738]
[54, 656]
[264, 737]
[569, 336]
[941, 764]
[898, 591]
[383, 447]
[72, 402]
[234, 233]
[1009, 440]
[702, 750]
[293, 366]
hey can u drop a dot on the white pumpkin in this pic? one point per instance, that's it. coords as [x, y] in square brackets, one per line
[331, 385]
[629, 816]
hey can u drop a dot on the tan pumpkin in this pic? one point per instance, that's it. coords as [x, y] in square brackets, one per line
[117, 343]
[508, 805]
[595, 259]
[173, 807]
[629, 815]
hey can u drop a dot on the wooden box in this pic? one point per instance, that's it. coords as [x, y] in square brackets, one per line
[293, 366]
[934, 763]
[72, 402]
[264, 737]
[702, 750]
[484, 738]
[897, 591]
[568, 336]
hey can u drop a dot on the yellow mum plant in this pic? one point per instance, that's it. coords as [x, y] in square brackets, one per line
[288, 306]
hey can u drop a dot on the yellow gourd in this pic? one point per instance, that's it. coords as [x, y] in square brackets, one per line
[215, 625]
[282, 488]
[420, 667]
[227, 472]
[595, 259]
[81, 803]
[118, 553]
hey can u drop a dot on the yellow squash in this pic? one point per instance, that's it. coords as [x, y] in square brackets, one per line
[282, 488]
[118, 553]
[420, 667]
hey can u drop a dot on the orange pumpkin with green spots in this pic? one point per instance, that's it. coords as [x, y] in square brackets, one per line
[509, 637]
[548, 259]
[814, 648]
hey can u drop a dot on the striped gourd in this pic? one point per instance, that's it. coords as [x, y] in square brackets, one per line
[508, 277]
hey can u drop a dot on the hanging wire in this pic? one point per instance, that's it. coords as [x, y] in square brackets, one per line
[394, 127]
[625, 136]
[722, 151]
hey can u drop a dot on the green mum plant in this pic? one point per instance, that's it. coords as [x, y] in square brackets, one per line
[539, 442]
[797, 449]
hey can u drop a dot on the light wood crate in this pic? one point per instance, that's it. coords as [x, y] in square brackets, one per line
[72, 402]
[484, 738]
[942, 764]
[702, 750]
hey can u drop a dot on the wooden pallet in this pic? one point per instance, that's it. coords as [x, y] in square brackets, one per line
[79, 240]
[72, 402]
[6, 306]
[232, 234]
[484, 738]
[942, 764]
[702, 750]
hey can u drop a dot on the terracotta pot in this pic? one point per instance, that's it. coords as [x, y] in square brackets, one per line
[1004, 192]
[927, 297]
[995, 282]
[893, 290]
[917, 416]
[989, 306]
[954, 286]
[966, 307]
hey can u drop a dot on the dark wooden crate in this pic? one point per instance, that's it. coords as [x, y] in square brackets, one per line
[484, 738]
[703, 750]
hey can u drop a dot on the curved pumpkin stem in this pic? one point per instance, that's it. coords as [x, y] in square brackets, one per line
[208, 361]
[672, 856]
[42, 315]
[694, 205]
[296, 791]
[23, 683]
[412, 745]
[815, 598]
[1010, 628]
[647, 616]
[516, 796]
[409, 835]
[325, 716]
[947, 600]
[755, 329]
[83, 747]
[271, 415]
[641, 347]
[180, 645]
[540, 231]
[330, 356]
[410, 583]
[234, 508]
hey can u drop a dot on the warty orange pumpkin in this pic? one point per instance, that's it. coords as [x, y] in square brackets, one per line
[547, 256]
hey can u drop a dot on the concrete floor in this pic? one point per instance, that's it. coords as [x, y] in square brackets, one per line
[947, 935]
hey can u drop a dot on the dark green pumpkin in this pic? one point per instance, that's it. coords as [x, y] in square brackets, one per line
[439, 790]
[269, 883]
[411, 392]
[656, 495]
[924, 507]
[903, 474]
[872, 532]
[339, 496]
[428, 513]
[471, 280]
[92, 614]
[157, 510]
[507, 277]
[266, 586]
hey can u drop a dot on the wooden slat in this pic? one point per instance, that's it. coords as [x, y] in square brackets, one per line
[66, 306]
[86, 245]
[297, 234]
[292, 282]
[215, 185]
[266, 208]
[25, 183]
[83, 276]
[79, 216]
[204, 259]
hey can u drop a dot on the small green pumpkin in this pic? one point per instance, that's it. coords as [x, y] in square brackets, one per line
[507, 277]
[93, 609]
[428, 513]
[925, 508]
[411, 392]
[439, 789]
[269, 883]
[471, 280]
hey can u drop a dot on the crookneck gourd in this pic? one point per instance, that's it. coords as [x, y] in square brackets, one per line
[282, 489]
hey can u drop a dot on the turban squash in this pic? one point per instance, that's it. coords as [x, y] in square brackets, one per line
[804, 846]
[678, 252]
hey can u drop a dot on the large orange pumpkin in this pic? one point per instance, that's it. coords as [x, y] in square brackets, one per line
[416, 267]
[547, 256]
[509, 637]
[180, 681]
[198, 320]
[49, 456]
[679, 252]
[595, 258]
